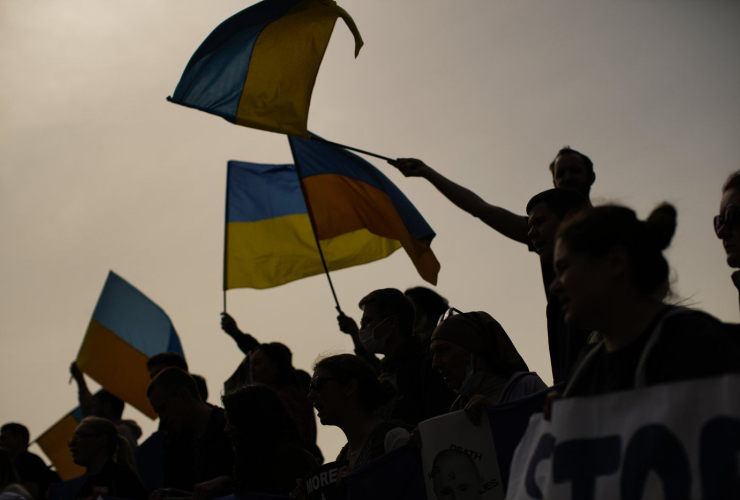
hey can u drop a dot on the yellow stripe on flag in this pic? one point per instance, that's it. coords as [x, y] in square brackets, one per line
[283, 68]
[116, 365]
[54, 444]
[275, 251]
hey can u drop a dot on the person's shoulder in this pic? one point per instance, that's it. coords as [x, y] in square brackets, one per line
[684, 322]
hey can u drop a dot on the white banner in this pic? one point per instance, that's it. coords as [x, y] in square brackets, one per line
[459, 459]
[673, 441]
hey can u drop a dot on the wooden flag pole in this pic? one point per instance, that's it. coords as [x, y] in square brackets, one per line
[315, 138]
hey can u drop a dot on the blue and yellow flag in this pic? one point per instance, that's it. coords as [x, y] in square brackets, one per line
[360, 216]
[126, 329]
[258, 68]
[53, 442]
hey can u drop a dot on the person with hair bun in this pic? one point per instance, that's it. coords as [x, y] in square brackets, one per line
[108, 460]
[347, 394]
[727, 223]
[611, 276]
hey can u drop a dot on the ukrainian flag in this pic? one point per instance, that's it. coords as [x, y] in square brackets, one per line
[53, 442]
[357, 213]
[126, 329]
[258, 68]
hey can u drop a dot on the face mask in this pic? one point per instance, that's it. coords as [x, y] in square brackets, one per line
[369, 342]
[473, 377]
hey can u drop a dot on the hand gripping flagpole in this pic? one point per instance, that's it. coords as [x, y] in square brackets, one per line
[313, 227]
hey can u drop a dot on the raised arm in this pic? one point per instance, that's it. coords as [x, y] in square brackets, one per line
[507, 223]
[244, 340]
[349, 326]
[84, 395]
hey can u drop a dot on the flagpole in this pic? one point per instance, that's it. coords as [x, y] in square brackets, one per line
[315, 138]
[313, 227]
[226, 233]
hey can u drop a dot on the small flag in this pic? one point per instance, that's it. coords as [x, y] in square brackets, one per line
[258, 68]
[359, 214]
[126, 329]
[54, 441]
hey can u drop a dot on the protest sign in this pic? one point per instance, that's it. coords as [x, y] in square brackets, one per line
[679, 440]
[321, 484]
[459, 459]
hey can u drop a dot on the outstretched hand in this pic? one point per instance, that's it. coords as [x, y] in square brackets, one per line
[475, 408]
[74, 370]
[550, 398]
[228, 324]
[410, 167]
[347, 325]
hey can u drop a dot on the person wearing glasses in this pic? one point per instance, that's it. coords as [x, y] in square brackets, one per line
[611, 276]
[727, 223]
[346, 393]
[476, 357]
[94, 445]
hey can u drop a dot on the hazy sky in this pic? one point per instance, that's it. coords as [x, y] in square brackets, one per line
[99, 172]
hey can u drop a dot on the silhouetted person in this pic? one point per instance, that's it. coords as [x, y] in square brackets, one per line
[163, 360]
[346, 393]
[244, 340]
[387, 328]
[178, 469]
[103, 404]
[727, 224]
[94, 445]
[570, 169]
[247, 343]
[429, 306]
[272, 364]
[546, 211]
[476, 357]
[10, 487]
[174, 396]
[33, 473]
[202, 386]
[612, 277]
[268, 453]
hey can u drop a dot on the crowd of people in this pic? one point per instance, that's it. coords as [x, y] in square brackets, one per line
[610, 328]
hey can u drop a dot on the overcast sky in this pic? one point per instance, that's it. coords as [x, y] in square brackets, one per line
[99, 172]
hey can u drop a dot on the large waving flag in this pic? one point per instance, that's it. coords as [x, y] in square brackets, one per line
[359, 215]
[258, 68]
[54, 444]
[126, 329]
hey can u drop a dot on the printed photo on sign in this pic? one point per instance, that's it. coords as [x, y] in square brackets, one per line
[321, 483]
[459, 459]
